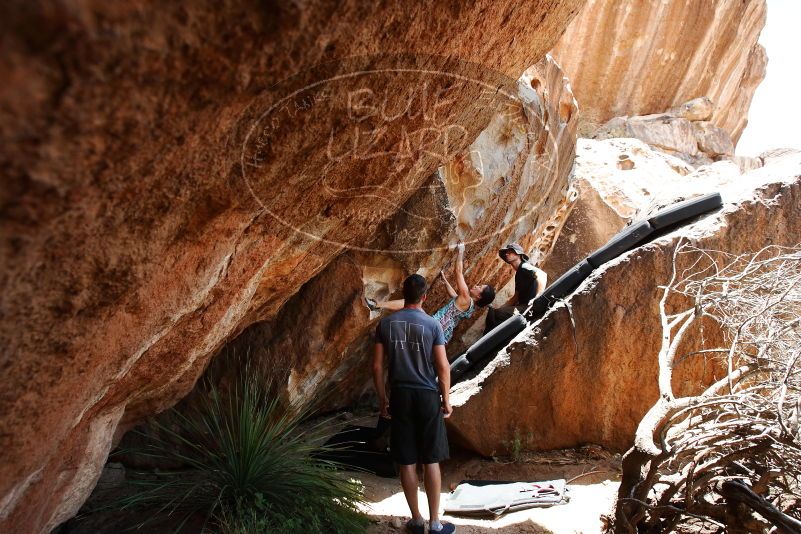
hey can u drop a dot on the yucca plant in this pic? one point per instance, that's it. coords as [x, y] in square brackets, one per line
[250, 467]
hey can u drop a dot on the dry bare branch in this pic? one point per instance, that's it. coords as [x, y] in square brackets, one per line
[729, 456]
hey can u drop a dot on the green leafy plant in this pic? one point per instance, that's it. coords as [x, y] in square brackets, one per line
[516, 444]
[249, 467]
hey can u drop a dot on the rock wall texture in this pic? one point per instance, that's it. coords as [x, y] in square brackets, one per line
[586, 372]
[682, 132]
[163, 189]
[510, 184]
[618, 180]
[640, 57]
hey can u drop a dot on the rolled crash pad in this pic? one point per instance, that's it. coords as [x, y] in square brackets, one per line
[537, 308]
[496, 338]
[568, 281]
[459, 367]
[626, 239]
[487, 346]
[687, 209]
[562, 287]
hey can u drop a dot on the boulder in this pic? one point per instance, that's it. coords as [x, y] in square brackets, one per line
[619, 181]
[697, 109]
[629, 57]
[713, 141]
[586, 372]
[510, 184]
[777, 153]
[746, 163]
[112, 477]
[698, 142]
[174, 173]
[662, 131]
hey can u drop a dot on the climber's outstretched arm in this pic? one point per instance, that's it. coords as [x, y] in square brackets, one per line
[391, 305]
[463, 298]
[448, 287]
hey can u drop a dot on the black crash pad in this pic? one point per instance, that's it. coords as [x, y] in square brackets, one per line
[363, 448]
[685, 210]
[537, 308]
[626, 239]
[459, 366]
[568, 281]
[487, 346]
[562, 287]
[496, 338]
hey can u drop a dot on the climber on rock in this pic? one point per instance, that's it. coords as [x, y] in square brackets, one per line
[463, 303]
[529, 283]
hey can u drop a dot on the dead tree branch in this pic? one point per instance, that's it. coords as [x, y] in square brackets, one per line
[731, 454]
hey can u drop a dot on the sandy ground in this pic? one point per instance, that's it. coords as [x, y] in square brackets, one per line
[592, 493]
[592, 473]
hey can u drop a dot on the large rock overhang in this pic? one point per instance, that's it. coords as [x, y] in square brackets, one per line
[132, 246]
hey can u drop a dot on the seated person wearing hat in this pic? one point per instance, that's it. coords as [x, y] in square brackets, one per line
[529, 283]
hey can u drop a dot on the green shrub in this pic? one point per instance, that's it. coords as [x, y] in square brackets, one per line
[250, 468]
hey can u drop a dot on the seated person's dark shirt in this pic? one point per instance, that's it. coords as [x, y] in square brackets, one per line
[525, 283]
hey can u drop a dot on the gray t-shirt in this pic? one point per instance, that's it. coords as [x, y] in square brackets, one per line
[409, 336]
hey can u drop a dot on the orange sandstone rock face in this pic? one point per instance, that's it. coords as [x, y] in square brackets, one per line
[586, 372]
[164, 188]
[510, 184]
[633, 57]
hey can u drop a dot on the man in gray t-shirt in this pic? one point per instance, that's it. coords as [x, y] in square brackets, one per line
[419, 373]
[408, 337]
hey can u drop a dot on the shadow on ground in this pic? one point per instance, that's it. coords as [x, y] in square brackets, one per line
[388, 524]
[593, 478]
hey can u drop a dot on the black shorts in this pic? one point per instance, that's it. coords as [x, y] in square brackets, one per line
[418, 428]
[496, 316]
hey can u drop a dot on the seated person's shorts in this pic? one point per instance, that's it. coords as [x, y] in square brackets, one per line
[496, 316]
[418, 428]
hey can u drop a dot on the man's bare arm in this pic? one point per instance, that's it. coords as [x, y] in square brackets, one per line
[378, 379]
[542, 281]
[443, 369]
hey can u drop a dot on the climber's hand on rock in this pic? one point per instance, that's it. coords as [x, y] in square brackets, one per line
[384, 410]
[460, 248]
